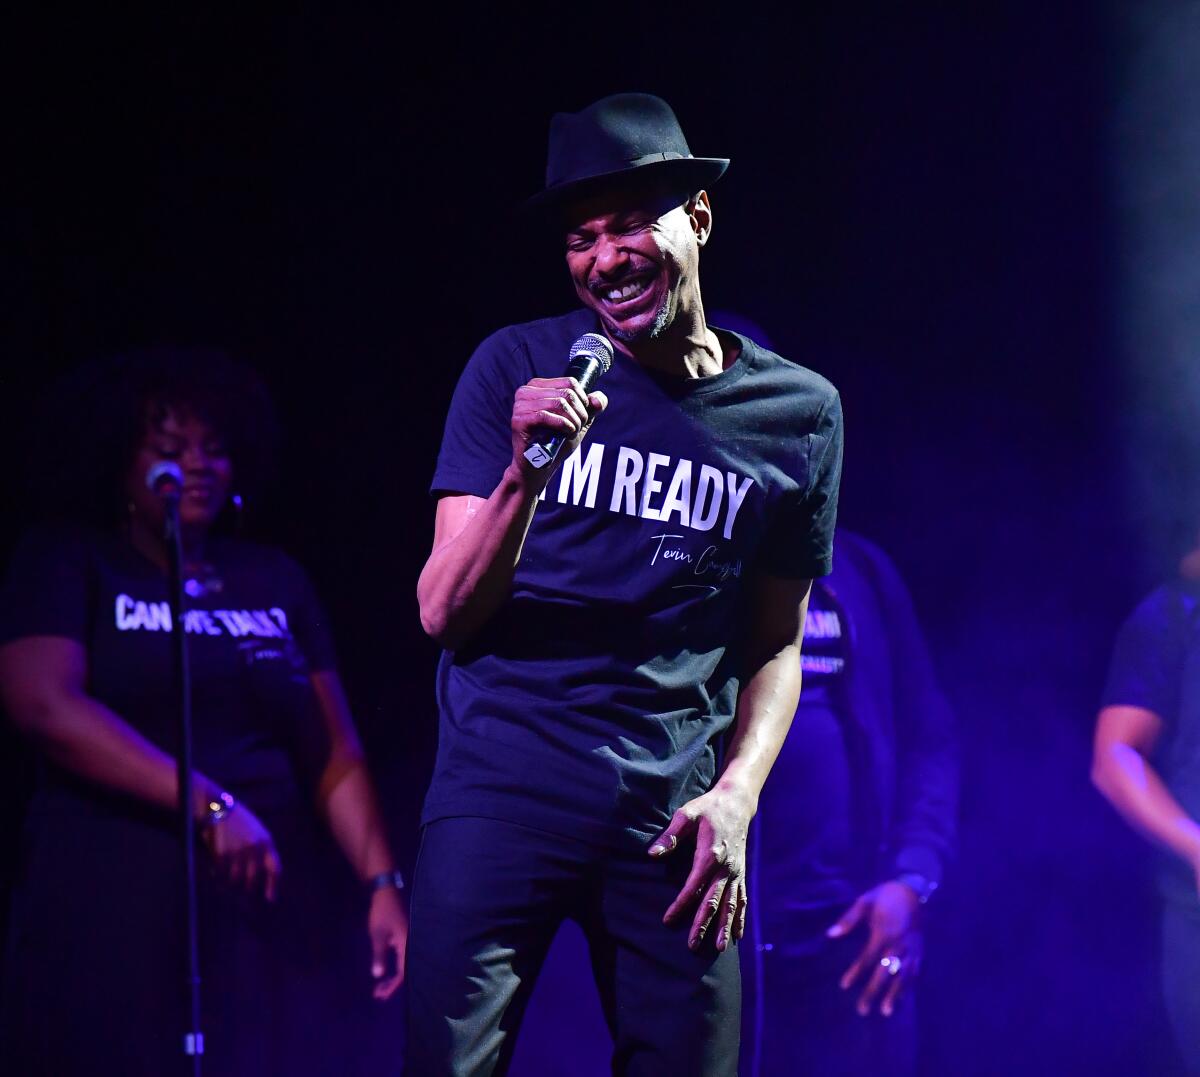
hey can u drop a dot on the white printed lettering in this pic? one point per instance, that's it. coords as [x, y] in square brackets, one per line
[679, 494]
[736, 497]
[226, 618]
[654, 461]
[629, 470]
[575, 474]
[711, 487]
[668, 555]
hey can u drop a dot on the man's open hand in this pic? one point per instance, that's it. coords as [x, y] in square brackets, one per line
[716, 885]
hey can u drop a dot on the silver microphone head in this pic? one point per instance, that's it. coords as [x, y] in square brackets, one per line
[162, 474]
[595, 345]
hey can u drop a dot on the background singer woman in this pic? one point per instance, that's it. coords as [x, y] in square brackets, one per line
[94, 968]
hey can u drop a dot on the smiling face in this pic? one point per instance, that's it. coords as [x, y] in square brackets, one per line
[635, 261]
[200, 453]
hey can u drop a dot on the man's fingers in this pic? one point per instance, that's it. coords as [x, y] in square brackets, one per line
[545, 419]
[707, 912]
[250, 872]
[849, 919]
[691, 892]
[569, 403]
[559, 397]
[680, 824]
[597, 401]
[739, 930]
[727, 919]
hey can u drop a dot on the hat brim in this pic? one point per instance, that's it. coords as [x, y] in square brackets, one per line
[690, 174]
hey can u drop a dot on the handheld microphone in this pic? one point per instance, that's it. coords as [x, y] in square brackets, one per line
[166, 480]
[591, 355]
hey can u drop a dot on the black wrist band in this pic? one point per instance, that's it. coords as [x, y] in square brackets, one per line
[385, 879]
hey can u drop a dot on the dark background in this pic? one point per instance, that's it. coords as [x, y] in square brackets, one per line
[919, 208]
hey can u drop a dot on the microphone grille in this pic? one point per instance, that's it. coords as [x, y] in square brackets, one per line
[593, 344]
[164, 471]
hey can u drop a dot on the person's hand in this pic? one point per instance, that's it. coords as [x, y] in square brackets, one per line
[548, 406]
[891, 957]
[387, 926]
[716, 885]
[243, 852]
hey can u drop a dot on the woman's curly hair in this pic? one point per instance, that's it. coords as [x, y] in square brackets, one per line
[92, 421]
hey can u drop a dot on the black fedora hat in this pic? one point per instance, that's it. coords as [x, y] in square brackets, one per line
[617, 142]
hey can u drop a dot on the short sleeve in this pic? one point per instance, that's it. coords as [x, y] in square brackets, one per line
[308, 622]
[799, 544]
[477, 442]
[48, 587]
[1147, 662]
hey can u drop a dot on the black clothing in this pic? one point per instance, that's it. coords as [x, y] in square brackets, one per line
[591, 705]
[806, 847]
[94, 970]
[488, 897]
[1156, 666]
[864, 789]
[876, 746]
[797, 1021]
[592, 701]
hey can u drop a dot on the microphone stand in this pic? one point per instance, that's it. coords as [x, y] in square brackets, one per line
[193, 1039]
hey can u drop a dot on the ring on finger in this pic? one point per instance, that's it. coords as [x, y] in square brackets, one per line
[892, 964]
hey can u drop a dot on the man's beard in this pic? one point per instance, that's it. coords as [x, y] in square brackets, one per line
[655, 330]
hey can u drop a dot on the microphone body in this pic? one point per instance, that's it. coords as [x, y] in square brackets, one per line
[591, 355]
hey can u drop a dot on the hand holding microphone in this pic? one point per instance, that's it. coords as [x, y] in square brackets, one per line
[551, 415]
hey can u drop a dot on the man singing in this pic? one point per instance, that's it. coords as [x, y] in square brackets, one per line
[621, 625]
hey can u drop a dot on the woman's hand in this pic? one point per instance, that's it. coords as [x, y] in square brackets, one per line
[244, 852]
[387, 925]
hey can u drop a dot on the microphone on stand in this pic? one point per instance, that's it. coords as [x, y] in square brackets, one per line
[166, 480]
[591, 355]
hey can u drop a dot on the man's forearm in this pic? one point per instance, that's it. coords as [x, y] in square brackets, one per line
[765, 709]
[1138, 793]
[469, 574]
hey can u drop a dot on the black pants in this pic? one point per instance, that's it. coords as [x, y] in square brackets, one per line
[1180, 985]
[799, 1022]
[487, 899]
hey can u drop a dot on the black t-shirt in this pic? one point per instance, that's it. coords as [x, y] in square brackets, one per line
[255, 631]
[1156, 666]
[823, 660]
[592, 700]
[804, 845]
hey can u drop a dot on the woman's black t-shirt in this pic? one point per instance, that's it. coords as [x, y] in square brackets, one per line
[255, 632]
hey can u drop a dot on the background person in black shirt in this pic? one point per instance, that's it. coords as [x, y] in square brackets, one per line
[1146, 763]
[94, 969]
[852, 834]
